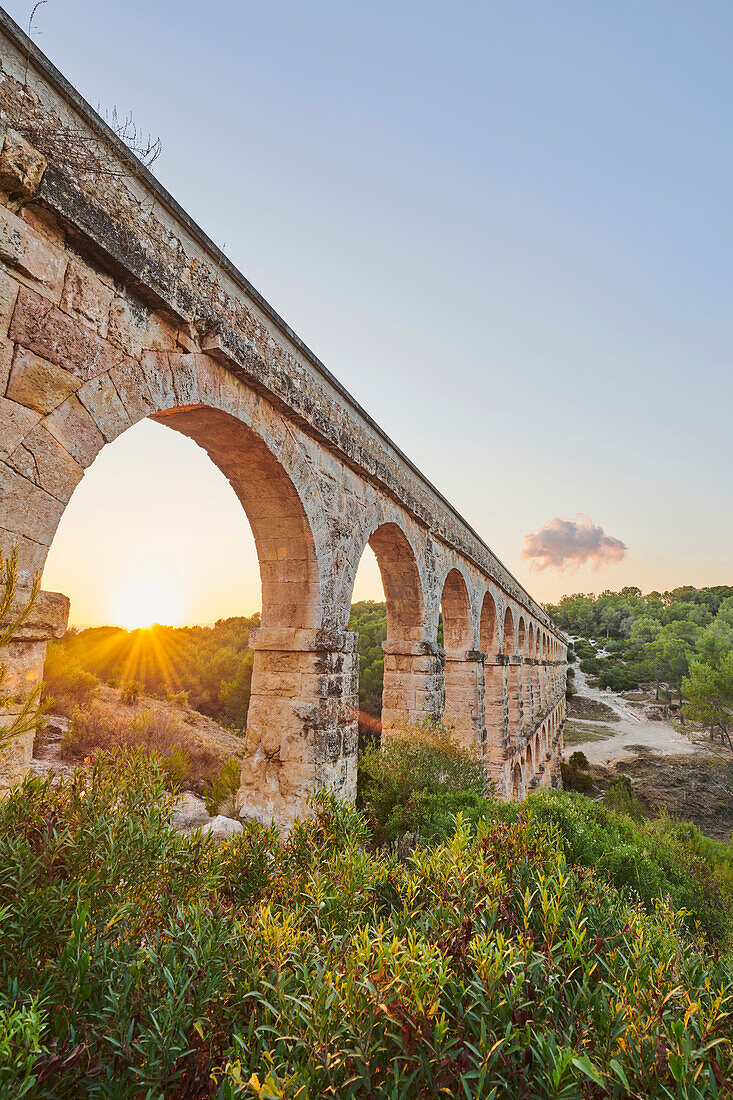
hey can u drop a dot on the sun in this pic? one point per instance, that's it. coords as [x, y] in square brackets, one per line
[145, 601]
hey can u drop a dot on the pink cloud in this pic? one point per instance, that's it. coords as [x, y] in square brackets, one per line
[569, 543]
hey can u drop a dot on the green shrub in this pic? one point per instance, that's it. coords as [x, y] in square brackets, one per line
[574, 778]
[578, 759]
[102, 727]
[223, 787]
[66, 686]
[621, 797]
[652, 858]
[20, 1033]
[417, 761]
[131, 691]
[178, 699]
[171, 965]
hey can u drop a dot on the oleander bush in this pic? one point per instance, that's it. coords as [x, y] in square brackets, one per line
[136, 962]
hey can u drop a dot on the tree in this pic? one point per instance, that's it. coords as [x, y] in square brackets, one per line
[234, 694]
[715, 641]
[709, 693]
[669, 657]
[644, 630]
[11, 620]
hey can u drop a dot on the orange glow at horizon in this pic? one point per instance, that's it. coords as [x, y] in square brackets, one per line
[147, 600]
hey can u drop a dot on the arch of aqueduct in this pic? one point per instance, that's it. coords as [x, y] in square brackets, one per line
[114, 306]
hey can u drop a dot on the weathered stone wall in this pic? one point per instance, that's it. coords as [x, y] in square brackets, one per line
[114, 307]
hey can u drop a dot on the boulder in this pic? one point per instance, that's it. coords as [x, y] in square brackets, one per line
[222, 827]
[190, 812]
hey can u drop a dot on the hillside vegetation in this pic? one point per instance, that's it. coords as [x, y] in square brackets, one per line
[657, 637]
[212, 666]
[514, 951]
[681, 641]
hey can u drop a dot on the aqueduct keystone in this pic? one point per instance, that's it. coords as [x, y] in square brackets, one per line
[115, 306]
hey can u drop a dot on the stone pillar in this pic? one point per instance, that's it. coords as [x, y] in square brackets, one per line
[530, 708]
[514, 699]
[464, 697]
[302, 722]
[413, 680]
[495, 708]
[23, 659]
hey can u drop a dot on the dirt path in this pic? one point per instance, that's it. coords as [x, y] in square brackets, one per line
[627, 734]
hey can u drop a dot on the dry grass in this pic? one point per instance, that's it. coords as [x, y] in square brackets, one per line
[578, 733]
[101, 726]
[580, 706]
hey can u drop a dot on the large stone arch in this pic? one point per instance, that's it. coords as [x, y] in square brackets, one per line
[494, 687]
[401, 581]
[507, 637]
[456, 607]
[114, 306]
[83, 401]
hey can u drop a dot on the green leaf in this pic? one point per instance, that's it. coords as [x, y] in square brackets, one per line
[584, 1064]
[619, 1071]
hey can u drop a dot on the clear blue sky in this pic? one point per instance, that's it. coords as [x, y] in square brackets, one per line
[506, 228]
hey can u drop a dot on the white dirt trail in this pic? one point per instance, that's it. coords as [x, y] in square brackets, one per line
[631, 729]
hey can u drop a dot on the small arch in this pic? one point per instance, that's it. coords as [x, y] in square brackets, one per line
[487, 628]
[507, 644]
[530, 641]
[521, 637]
[517, 782]
[529, 758]
[401, 583]
[456, 612]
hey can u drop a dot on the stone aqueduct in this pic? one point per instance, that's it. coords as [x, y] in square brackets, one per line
[114, 306]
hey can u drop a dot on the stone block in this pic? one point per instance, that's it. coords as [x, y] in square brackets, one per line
[70, 343]
[27, 509]
[101, 400]
[85, 295]
[31, 555]
[221, 827]
[48, 618]
[132, 387]
[15, 759]
[128, 325]
[37, 383]
[43, 460]
[7, 349]
[185, 379]
[72, 426]
[190, 812]
[156, 369]
[21, 166]
[30, 253]
[8, 295]
[15, 423]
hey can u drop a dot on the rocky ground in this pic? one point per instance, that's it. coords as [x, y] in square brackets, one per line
[191, 812]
